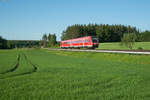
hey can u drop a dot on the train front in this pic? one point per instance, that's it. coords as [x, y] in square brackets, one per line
[95, 42]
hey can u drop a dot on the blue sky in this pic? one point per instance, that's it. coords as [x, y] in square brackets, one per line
[30, 19]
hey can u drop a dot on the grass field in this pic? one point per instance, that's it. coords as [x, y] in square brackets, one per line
[116, 46]
[60, 75]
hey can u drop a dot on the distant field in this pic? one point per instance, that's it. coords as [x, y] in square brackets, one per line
[61, 75]
[116, 46]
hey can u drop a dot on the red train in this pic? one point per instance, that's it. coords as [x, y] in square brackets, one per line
[83, 42]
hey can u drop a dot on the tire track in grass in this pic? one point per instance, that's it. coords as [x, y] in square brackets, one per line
[14, 67]
[34, 66]
[27, 60]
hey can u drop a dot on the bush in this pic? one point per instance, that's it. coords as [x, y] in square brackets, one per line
[128, 40]
[140, 48]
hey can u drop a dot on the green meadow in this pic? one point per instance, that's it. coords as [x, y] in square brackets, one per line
[117, 46]
[34, 74]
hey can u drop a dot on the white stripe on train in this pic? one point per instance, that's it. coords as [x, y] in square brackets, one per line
[77, 46]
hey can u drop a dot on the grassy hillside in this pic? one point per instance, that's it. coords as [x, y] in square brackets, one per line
[116, 46]
[64, 75]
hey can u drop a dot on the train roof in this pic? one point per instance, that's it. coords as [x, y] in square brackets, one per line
[76, 38]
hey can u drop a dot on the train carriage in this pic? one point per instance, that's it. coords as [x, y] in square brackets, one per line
[83, 42]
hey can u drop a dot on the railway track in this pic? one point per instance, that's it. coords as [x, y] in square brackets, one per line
[104, 51]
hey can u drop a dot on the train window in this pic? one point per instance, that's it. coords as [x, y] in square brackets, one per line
[95, 40]
[78, 41]
[67, 42]
[87, 40]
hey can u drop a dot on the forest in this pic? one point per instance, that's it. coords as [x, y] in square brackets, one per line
[104, 32]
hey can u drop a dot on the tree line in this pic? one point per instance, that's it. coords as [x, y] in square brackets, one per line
[9, 44]
[104, 32]
[23, 43]
[3, 43]
[48, 40]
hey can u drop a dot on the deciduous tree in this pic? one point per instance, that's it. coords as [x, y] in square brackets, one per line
[128, 40]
